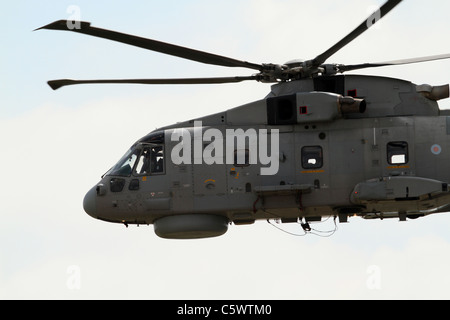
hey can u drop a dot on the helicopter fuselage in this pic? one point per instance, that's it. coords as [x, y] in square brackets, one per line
[339, 146]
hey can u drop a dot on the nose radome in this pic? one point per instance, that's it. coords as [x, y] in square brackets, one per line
[90, 202]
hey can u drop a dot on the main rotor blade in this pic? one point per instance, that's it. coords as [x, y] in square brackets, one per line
[56, 84]
[149, 44]
[343, 68]
[366, 24]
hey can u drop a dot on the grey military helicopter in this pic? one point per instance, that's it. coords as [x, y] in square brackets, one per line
[320, 144]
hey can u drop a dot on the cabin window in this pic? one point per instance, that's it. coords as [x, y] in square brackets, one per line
[397, 152]
[312, 157]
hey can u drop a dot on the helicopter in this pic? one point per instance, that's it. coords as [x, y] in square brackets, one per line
[320, 144]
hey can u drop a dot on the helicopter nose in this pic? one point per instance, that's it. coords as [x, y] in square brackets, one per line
[90, 202]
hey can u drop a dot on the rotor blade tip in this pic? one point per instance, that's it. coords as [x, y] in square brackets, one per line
[56, 84]
[65, 25]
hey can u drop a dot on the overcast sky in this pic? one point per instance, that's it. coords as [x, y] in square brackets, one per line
[57, 144]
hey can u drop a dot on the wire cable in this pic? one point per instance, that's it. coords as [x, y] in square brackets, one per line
[306, 228]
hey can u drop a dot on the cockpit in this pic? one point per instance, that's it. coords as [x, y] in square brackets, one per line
[145, 157]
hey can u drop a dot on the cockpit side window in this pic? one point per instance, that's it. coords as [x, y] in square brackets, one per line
[151, 160]
[157, 162]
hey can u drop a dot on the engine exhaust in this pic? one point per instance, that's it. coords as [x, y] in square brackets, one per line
[352, 105]
[434, 92]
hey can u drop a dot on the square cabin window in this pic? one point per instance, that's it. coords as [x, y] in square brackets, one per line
[397, 152]
[312, 157]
